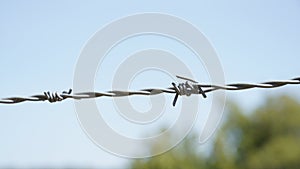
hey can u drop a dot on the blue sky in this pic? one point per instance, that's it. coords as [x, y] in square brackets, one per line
[41, 41]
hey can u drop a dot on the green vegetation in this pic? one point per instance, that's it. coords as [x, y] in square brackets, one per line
[267, 138]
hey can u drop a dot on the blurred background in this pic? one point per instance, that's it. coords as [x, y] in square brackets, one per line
[256, 41]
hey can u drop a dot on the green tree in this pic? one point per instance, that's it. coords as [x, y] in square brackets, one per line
[181, 157]
[267, 138]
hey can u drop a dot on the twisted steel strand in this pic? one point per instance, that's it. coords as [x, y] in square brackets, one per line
[181, 89]
[243, 86]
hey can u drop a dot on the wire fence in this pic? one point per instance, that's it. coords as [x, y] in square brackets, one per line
[181, 89]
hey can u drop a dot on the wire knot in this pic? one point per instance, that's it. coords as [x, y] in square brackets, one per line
[187, 89]
[55, 97]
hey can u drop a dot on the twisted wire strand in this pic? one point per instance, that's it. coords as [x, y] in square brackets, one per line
[244, 86]
[181, 89]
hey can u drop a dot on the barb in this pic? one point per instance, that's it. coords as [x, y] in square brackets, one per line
[182, 89]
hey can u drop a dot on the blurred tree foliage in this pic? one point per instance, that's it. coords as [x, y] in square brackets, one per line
[267, 138]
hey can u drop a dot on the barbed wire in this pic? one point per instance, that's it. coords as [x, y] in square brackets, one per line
[181, 89]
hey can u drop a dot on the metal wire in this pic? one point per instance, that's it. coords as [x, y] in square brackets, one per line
[182, 89]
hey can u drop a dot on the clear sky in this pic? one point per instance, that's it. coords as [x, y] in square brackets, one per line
[40, 42]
